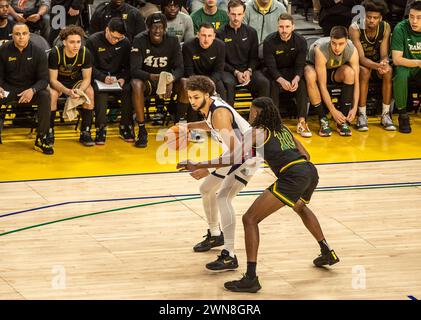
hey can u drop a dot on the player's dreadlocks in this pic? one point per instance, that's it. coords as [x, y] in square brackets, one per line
[269, 116]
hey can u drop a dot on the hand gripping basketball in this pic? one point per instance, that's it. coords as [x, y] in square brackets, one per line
[176, 137]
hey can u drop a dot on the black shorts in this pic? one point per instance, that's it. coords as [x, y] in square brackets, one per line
[297, 182]
[150, 87]
[330, 76]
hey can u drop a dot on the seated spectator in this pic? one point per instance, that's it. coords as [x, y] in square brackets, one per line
[241, 55]
[205, 56]
[262, 15]
[210, 13]
[406, 54]
[316, 11]
[372, 43]
[35, 13]
[178, 23]
[197, 4]
[24, 79]
[6, 25]
[73, 9]
[117, 8]
[284, 54]
[336, 13]
[153, 53]
[70, 67]
[110, 50]
[333, 60]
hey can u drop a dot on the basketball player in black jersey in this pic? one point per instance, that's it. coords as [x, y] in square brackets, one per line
[70, 67]
[372, 43]
[297, 178]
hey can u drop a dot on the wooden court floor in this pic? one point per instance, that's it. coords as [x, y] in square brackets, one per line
[131, 236]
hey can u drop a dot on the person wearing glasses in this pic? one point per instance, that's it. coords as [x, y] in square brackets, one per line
[111, 55]
[24, 79]
[70, 67]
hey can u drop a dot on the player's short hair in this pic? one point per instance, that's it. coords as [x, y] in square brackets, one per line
[207, 25]
[339, 32]
[116, 24]
[236, 3]
[375, 6]
[286, 16]
[71, 30]
[200, 83]
[416, 5]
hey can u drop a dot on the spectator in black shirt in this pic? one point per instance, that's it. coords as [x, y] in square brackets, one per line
[110, 50]
[24, 79]
[205, 56]
[70, 67]
[117, 8]
[336, 13]
[73, 9]
[6, 25]
[284, 54]
[241, 55]
[153, 52]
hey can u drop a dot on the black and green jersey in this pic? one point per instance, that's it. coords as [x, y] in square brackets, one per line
[279, 150]
[371, 46]
[406, 40]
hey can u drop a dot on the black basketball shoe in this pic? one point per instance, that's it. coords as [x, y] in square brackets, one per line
[328, 258]
[245, 284]
[224, 262]
[209, 242]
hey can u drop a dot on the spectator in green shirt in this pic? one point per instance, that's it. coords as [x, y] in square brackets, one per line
[406, 54]
[210, 13]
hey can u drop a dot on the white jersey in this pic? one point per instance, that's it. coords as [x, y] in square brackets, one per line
[239, 124]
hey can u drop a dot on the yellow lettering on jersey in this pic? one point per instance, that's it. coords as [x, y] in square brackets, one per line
[196, 57]
[227, 40]
[217, 25]
[12, 58]
[124, 16]
[101, 49]
[279, 51]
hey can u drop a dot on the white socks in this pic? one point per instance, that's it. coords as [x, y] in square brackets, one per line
[386, 109]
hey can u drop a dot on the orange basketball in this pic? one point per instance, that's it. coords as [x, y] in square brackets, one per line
[176, 137]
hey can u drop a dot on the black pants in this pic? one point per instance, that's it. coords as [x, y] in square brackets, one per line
[259, 85]
[300, 94]
[101, 99]
[41, 99]
[219, 86]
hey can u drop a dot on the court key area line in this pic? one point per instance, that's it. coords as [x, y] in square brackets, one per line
[249, 193]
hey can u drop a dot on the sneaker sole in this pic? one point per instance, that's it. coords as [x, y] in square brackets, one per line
[245, 290]
[100, 143]
[40, 150]
[363, 129]
[389, 128]
[221, 270]
[324, 135]
[126, 140]
[205, 250]
[344, 134]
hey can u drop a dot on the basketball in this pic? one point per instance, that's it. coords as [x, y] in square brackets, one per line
[176, 137]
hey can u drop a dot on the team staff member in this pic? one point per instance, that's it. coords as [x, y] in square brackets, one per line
[117, 8]
[241, 54]
[111, 53]
[24, 74]
[70, 67]
[284, 54]
[203, 55]
[153, 52]
[297, 179]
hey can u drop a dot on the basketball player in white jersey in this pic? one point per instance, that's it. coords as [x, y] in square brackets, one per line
[222, 185]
